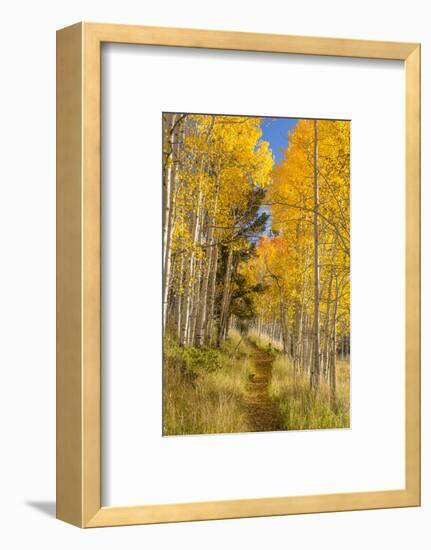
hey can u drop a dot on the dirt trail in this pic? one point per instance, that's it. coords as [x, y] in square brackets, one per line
[262, 413]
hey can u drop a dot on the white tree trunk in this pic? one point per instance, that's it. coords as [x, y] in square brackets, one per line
[211, 304]
[189, 277]
[203, 301]
[226, 297]
[315, 368]
[169, 192]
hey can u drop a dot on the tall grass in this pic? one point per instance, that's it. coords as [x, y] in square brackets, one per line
[264, 342]
[204, 388]
[301, 409]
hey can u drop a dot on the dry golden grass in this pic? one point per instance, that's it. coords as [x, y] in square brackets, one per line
[264, 343]
[204, 389]
[303, 410]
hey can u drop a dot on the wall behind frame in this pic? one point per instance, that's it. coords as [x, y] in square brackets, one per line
[27, 219]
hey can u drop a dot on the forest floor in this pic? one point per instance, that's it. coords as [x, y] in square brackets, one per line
[263, 414]
[246, 385]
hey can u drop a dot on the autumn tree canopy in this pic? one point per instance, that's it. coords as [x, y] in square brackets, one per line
[252, 243]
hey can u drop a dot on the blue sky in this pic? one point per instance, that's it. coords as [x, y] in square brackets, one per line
[275, 131]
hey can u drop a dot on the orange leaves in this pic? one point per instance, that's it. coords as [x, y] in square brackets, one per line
[284, 261]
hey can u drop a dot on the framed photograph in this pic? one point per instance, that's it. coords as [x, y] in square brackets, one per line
[238, 275]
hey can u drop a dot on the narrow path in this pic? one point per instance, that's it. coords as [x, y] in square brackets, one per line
[262, 413]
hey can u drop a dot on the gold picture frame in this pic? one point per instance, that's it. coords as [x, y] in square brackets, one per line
[79, 274]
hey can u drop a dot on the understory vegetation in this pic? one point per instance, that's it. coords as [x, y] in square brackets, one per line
[264, 343]
[204, 387]
[301, 409]
[289, 388]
